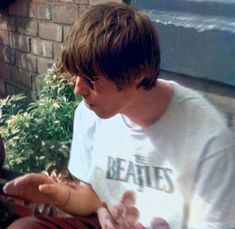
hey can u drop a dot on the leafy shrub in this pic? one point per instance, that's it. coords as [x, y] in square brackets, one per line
[38, 137]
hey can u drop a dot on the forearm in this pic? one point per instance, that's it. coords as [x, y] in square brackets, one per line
[81, 200]
[72, 196]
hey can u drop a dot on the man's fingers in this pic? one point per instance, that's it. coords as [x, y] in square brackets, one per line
[128, 198]
[124, 214]
[132, 213]
[33, 178]
[23, 180]
[27, 187]
[130, 218]
[57, 193]
[48, 188]
[118, 211]
[9, 187]
[105, 219]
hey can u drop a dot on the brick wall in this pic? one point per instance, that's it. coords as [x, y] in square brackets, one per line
[31, 37]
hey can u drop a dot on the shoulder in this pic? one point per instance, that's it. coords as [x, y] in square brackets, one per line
[190, 112]
[189, 96]
[195, 105]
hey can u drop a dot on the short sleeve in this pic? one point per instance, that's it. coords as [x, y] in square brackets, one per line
[213, 201]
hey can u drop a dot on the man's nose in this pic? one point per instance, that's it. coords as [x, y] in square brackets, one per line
[80, 87]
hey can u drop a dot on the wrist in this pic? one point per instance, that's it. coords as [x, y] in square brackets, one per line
[67, 200]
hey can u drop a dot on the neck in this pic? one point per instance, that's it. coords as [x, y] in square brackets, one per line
[149, 105]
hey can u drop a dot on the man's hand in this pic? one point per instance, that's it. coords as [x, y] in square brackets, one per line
[121, 216]
[38, 188]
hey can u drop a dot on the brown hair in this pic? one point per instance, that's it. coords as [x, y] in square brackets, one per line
[115, 41]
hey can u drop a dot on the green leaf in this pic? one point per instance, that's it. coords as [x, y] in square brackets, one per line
[38, 136]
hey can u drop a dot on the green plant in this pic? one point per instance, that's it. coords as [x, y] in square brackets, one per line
[38, 137]
[12, 104]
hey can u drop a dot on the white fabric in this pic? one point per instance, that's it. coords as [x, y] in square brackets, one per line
[182, 168]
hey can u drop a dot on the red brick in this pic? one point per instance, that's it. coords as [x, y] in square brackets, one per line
[10, 88]
[26, 61]
[7, 23]
[35, 83]
[13, 88]
[83, 8]
[44, 64]
[19, 8]
[57, 50]
[50, 31]
[20, 42]
[5, 54]
[22, 77]
[2, 87]
[3, 22]
[95, 2]
[66, 30]
[66, 0]
[19, 89]
[29, 27]
[40, 9]
[82, 1]
[42, 47]
[64, 13]
[5, 70]
[4, 37]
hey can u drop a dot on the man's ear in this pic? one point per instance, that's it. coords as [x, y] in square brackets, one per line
[136, 79]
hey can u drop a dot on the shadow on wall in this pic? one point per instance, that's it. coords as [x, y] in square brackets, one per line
[4, 4]
[15, 62]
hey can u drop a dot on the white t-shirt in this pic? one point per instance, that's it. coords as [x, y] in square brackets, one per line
[181, 168]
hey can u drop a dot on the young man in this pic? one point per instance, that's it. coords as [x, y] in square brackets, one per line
[148, 153]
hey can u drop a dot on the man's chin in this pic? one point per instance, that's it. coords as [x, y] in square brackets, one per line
[103, 115]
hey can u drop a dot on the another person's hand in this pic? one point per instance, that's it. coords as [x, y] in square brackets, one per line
[121, 216]
[38, 188]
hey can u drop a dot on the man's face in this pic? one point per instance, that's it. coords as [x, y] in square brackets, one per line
[103, 97]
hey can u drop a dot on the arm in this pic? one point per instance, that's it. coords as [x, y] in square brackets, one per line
[212, 203]
[78, 198]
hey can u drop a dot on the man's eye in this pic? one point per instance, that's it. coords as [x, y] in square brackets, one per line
[95, 79]
[89, 82]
